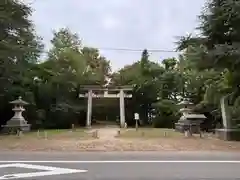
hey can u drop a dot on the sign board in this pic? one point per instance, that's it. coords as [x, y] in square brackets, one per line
[44, 171]
[136, 116]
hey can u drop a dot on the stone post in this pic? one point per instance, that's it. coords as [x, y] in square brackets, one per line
[225, 113]
[122, 109]
[89, 110]
[229, 132]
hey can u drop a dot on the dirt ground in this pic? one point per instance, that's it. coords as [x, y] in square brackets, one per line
[107, 141]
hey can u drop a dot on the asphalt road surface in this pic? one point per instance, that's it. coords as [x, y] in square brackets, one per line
[120, 166]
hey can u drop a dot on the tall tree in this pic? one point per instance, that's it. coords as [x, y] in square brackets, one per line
[99, 65]
[19, 45]
[18, 40]
[145, 61]
[63, 40]
[68, 66]
[216, 50]
[19, 51]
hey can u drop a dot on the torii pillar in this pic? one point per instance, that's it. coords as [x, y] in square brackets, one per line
[89, 109]
[122, 109]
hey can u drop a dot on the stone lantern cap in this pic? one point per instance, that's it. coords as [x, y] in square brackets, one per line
[19, 101]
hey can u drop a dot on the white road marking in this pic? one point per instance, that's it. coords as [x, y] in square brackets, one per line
[126, 161]
[46, 171]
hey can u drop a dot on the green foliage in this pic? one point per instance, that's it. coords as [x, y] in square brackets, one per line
[153, 84]
[216, 53]
[165, 112]
[19, 50]
[206, 70]
[61, 76]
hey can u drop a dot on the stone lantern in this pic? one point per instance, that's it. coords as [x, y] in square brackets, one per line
[189, 121]
[17, 122]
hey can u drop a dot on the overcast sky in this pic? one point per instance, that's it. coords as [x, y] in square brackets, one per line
[135, 24]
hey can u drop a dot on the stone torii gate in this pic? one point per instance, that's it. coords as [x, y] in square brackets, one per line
[94, 91]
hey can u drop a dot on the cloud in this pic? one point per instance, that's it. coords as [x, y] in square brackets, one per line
[110, 23]
[135, 24]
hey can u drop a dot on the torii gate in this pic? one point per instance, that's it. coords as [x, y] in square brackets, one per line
[121, 95]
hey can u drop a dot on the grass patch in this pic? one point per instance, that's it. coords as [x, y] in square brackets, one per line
[149, 133]
[48, 140]
[51, 134]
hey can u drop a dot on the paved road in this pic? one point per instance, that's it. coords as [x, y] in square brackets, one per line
[122, 166]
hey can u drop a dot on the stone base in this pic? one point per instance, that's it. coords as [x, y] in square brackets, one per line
[228, 134]
[13, 128]
[88, 127]
[179, 127]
